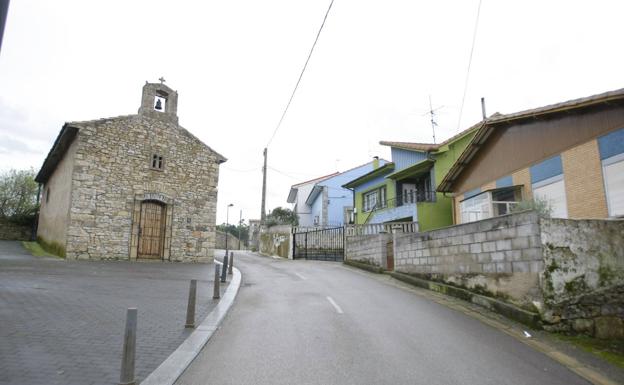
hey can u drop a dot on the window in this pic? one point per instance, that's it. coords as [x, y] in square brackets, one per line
[157, 162]
[47, 195]
[489, 203]
[611, 148]
[504, 199]
[552, 190]
[375, 199]
[613, 171]
[476, 208]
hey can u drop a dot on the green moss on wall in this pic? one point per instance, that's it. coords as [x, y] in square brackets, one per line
[52, 247]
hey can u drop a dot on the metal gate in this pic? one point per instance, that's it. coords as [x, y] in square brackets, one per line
[322, 244]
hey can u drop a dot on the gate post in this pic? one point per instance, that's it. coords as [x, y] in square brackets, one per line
[306, 245]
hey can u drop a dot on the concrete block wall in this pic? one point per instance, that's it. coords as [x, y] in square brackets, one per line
[370, 249]
[500, 256]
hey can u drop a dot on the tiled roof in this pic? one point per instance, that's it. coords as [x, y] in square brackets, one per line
[490, 124]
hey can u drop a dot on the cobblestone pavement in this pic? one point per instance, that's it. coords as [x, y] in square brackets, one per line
[62, 322]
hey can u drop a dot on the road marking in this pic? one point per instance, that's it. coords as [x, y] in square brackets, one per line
[300, 276]
[335, 305]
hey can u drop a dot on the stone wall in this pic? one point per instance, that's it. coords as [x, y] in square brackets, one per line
[14, 232]
[583, 278]
[112, 177]
[369, 249]
[501, 256]
[276, 241]
[233, 242]
[55, 203]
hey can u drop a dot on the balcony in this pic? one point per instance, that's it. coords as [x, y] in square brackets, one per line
[401, 207]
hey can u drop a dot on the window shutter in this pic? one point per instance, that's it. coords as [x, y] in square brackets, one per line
[614, 184]
[554, 193]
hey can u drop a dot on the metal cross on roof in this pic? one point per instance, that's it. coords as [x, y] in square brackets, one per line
[162, 80]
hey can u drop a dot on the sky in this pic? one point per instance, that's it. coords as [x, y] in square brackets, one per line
[234, 64]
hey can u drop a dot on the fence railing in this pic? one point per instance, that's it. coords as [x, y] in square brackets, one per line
[408, 198]
[376, 228]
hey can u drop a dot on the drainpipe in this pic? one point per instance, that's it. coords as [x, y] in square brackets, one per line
[353, 203]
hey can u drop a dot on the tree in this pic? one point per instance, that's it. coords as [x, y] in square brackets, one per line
[282, 216]
[542, 206]
[234, 230]
[18, 195]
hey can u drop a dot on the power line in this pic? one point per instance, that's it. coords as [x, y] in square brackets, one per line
[245, 170]
[300, 75]
[474, 38]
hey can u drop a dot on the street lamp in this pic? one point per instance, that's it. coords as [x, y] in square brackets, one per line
[227, 224]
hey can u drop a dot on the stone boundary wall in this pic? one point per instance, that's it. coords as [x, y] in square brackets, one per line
[583, 276]
[14, 232]
[233, 242]
[276, 241]
[500, 256]
[369, 249]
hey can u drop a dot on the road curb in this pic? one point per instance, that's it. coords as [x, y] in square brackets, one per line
[168, 372]
[506, 309]
[582, 370]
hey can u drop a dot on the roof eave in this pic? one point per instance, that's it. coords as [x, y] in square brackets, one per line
[64, 139]
[378, 171]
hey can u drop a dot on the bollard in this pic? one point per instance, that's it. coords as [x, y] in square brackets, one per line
[231, 265]
[215, 293]
[190, 308]
[224, 268]
[129, 347]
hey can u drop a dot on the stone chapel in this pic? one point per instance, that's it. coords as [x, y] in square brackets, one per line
[134, 187]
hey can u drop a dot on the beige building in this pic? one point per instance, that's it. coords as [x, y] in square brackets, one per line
[131, 187]
[570, 155]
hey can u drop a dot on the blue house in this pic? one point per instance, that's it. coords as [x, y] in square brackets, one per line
[330, 203]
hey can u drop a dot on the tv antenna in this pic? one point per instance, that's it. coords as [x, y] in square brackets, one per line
[432, 113]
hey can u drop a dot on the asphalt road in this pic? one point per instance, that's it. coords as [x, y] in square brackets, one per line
[308, 322]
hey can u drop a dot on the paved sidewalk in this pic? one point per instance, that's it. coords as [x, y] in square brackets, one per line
[62, 322]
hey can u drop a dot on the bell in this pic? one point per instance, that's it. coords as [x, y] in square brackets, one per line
[158, 105]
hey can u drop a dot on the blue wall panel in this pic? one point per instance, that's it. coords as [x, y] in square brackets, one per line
[546, 169]
[405, 158]
[506, 181]
[611, 144]
[471, 193]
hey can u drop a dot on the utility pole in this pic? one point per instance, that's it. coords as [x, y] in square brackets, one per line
[240, 224]
[4, 10]
[264, 173]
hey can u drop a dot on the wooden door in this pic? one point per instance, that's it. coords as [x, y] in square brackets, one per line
[390, 255]
[151, 230]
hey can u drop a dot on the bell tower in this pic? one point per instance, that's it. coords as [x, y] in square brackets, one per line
[159, 101]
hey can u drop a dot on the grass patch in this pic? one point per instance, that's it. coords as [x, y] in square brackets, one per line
[609, 350]
[36, 250]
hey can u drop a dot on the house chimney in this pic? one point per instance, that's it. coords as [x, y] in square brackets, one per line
[375, 162]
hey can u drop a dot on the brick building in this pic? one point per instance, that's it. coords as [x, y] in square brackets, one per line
[569, 154]
[131, 187]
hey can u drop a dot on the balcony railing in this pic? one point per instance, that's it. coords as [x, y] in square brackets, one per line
[405, 199]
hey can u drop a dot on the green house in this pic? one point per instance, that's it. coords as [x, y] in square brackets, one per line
[404, 190]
